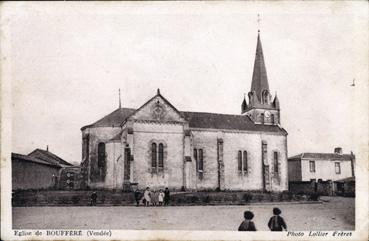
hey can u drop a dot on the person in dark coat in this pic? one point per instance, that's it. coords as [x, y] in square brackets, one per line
[93, 198]
[277, 223]
[137, 197]
[247, 224]
[166, 197]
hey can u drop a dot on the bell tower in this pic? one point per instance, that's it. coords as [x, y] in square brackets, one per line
[261, 108]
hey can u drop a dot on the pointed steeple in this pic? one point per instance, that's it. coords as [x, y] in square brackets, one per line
[259, 76]
[276, 101]
[244, 105]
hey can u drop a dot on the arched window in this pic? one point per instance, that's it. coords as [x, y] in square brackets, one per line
[161, 155]
[272, 118]
[153, 155]
[240, 161]
[245, 161]
[101, 155]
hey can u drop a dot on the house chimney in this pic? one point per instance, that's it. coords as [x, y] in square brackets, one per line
[47, 147]
[338, 150]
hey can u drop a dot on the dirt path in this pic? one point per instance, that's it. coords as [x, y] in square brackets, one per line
[336, 214]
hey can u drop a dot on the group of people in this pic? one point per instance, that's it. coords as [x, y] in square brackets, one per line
[153, 198]
[276, 222]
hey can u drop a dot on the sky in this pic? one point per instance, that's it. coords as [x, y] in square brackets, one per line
[66, 62]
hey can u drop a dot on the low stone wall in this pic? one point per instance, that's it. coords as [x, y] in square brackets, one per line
[111, 198]
[321, 187]
[70, 198]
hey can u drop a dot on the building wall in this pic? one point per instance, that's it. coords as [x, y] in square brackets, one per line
[277, 143]
[30, 175]
[294, 170]
[207, 141]
[97, 135]
[232, 143]
[325, 170]
[172, 136]
[114, 162]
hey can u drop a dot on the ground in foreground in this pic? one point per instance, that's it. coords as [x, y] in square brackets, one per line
[336, 214]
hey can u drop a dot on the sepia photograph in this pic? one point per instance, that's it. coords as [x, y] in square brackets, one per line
[184, 120]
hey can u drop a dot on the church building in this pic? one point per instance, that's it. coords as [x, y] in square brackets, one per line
[158, 146]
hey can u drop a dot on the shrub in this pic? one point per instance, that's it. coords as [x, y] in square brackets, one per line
[75, 199]
[314, 196]
[207, 199]
[247, 197]
[103, 199]
[194, 199]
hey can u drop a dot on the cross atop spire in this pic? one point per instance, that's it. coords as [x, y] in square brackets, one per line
[259, 77]
[120, 104]
[259, 20]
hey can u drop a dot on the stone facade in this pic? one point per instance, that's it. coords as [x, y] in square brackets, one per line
[158, 146]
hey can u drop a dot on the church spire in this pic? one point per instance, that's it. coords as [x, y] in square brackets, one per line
[244, 105]
[259, 77]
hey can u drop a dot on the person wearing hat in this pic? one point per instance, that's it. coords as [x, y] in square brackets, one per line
[247, 224]
[277, 223]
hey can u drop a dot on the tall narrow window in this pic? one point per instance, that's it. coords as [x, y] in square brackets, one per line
[262, 118]
[201, 160]
[161, 155]
[245, 161]
[240, 161]
[275, 162]
[273, 118]
[312, 166]
[195, 157]
[201, 164]
[153, 155]
[101, 155]
[337, 167]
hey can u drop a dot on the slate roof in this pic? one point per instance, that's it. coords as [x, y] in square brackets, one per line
[16, 156]
[347, 179]
[113, 119]
[48, 157]
[228, 122]
[322, 156]
[196, 120]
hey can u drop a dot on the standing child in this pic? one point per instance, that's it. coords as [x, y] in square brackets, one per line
[93, 198]
[276, 223]
[247, 224]
[161, 197]
[155, 198]
[147, 196]
[137, 197]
